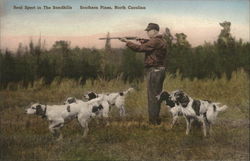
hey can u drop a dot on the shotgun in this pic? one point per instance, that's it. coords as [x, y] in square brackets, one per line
[126, 37]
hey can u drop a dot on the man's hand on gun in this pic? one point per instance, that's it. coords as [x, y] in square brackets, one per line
[141, 40]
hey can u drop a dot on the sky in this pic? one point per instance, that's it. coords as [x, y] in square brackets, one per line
[198, 19]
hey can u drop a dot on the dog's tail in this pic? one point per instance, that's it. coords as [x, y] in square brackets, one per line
[222, 108]
[126, 92]
[217, 103]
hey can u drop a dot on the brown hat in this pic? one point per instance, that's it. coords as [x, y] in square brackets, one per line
[152, 26]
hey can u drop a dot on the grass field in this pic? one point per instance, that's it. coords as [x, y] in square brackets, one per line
[25, 137]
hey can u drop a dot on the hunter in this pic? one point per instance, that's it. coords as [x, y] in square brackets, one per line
[155, 53]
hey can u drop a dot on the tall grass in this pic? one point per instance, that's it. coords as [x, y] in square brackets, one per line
[25, 137]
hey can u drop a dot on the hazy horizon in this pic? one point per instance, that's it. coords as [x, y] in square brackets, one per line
[198, 19]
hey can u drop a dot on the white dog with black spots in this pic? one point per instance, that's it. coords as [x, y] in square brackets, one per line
[58, 115]
[116, 99]
[202, 110]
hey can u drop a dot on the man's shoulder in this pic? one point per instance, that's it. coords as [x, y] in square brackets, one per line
[157, 39]
[159, 36]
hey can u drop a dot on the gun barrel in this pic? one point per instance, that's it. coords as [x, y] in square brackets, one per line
[127, 37]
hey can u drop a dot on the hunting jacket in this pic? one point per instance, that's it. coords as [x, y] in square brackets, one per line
[155, 51]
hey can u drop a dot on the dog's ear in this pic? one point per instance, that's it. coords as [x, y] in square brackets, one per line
[39, 110]
[183, 99]
[179, 94]
[162, 96]
[92, 95]
[68, 108]
[165, 96]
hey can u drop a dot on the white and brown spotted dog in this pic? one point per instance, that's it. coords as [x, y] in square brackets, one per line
[201, 110]
[58, 115]
[113, 99]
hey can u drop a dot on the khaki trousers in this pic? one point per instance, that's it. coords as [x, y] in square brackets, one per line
[155, 77]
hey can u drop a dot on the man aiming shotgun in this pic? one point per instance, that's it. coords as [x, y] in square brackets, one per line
[155, 52]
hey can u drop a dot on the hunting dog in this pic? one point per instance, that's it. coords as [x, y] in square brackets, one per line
[173, 107]
[202, 110]
[58, 115]
[113, 99]
[104, 103]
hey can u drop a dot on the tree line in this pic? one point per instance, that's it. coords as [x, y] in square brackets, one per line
[33, 62]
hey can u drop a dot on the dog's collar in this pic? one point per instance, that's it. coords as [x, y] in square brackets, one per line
[44, 113]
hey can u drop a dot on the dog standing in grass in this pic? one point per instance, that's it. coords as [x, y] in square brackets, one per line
[174, 108]
[201, 110]
[116, 99]
[58, 115]
[104, 113]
